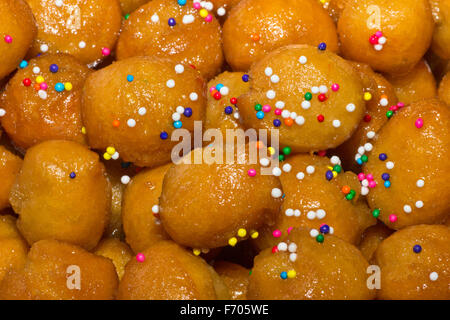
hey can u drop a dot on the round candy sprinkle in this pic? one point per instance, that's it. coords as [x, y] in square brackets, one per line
[232, 241]
[106, 51]
[245, 77]
[140, 257]
[276, 233]
[283, 275]
[187, 112]
[228, 110]
[72, 175]
[382, 156]
[54, 68]
[325, 229]
[171, 22]
[130, 78]
[434, 276]
[419, 123]
[59, 87]
[23, 64]
[393, 218]
[251, 172]
[320, 238]
[291, 274]
[417, 248]
[322, 46]
[242, 232]
[8, 39]
[376, 213]
[329, 175]
[125, 179]
[182, 2]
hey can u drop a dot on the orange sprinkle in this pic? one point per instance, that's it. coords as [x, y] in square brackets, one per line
[383, 96]
[37, 86]
[116, 123]
[288, 121]
[255, 37]
[345, 189]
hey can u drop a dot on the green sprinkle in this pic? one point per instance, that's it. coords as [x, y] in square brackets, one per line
[320, 238]
[376, 213]
[258, 107]
[308, 96]
[364, 158]
[337, 168]
[287, 150]
[281, 157]
[127, 16]
[389, 114]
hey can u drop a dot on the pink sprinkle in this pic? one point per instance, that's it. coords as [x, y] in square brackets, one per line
[106, 51]
[392, 218]
[372, 184]
[322, 153]
[361, 176]
[289, 230]
[266, 108]
[276, 233]
[43, 86]
[335, 87]
[212, 89]
[208, 18]
[8, 39]
[251, 172]
[197, 5]
[140, 257]
[419, 123]
[278, 111]
[400, 104]
[379, 34]
[369, 177]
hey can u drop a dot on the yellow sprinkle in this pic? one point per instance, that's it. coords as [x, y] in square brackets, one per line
[83, 130]
[242, 232]
[232, 241]
[367, 96]
[111, 150]
[322, 1]
[203, 13]
[255, 235]
[107, 156]
[271, 150]
[335, 174]
[291, 274]
[68, 86]
[196, 251]
[39, 79]
[330, 168]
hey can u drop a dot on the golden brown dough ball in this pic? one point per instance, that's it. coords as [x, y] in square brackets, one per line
[129, 6]
[417, 84]
[313, 97]
[118, 252]
[441, 36]
[18, 29]
[57, 270]
[221, 113]
[415, 264]
[140, 210]
[235, 277]
[9, 168]
[305, 269]
[390, 36]
[409, 163]
[62, 193]
[444, 89]
[166, 29]
[166, 271]
[135, 104]
[314, 197]
[254, 28]
[13, 248]
[371, 239]
[86, 29]
[43, 101]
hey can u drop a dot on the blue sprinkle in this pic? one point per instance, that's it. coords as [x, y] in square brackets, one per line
[54, 68]
[59, 87]
[276, 122]
[177, 124]
[23, 64]
[228, 110]
[172, 22]
[382, 156]
[164, 135]
[245, 78]
[72, 175]
[322, 46]
[325, 229]
[283, 275]
[260, 115]
[187, 112]
[329, 175]
[182, 2]
[417, 248]
[130, 78]
[387, 184]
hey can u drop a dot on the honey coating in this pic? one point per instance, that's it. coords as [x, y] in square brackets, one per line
[129, 6]
[191, 40]
[444, 89]
[13, 248]
[335, 8]
[407, 275]
[441, 36]
[414, 145]
[169, 272]
[10, 165]
[371, 239]
[254, 28]
[140, 212]
[201, 205]
[415, 85]
[407, 27]
[131, 116]
[86, 29]
[331, 270]
[312, 200]
[235, 277]
[18, 30]
[35, 115]
[218, 115]
[382, 96]
[290, 98]
[62, 193]
[51, 272]
[118, 252]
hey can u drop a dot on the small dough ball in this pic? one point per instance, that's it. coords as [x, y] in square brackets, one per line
[10, 165]
[33, 114]
[235, 277]
[444, 89]
[405, 26]
[140, 210]
[169, 272]
[132, 103]
[409, 163]
[62, 193]
[441, 36]
[381, 96]
[254, 28]
[86, 29]
[417, 84]
[311, 200]
[118, 252]
[302, 105]
[205, 205]
[18, 30]
[371, 239]
[415, 264]
[57, 270]
[164, 28]
[128, 6]
[13, 248]
[331, 270]
[221, 113]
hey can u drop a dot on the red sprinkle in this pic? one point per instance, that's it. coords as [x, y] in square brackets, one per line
[322, 97]
[320, 118]
[233, 100]
[26, 82]
[367, 118]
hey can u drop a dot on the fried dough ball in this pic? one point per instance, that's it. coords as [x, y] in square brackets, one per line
[18, 29]
[441, 36]
[133, 106]
[13, 248]
[221, 113]
[140, 209]
[57, 270]
[166, 271]
[118, 252]
[371, 239]
[45, 105]
[390, 36]
[86, 29]
[254, 28]
[205, 206]
[62, 193]
[166, 29]
[304, 269]
[381, 95]
[129, 6]
[235, 277]
[415, 85]
[444, 89]
[409, 163]
[313, 97]
[312, 199]
[415, 264]
[9, 168]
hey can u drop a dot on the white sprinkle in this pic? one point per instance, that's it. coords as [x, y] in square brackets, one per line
[368, 147]
[389, 165]
[323, 89]
[170, 83]
[42, 94]
[382, 40]
[236, 115]
[221, 12]
[364, 191]
[36, 70]
[282, 246]
[275, 78]
[279, 104]
[378, 47]
[142, 111]
[176, 116]
[365, 183]
[264, 162]
[59, 3]
[331, 230]
[407, 208]
[302, 60]
[125, 179]
[420, 183]
[131, 123]
[188, 18]
[434, 276]
[315, 90]
[361, 150]
[306, 104]
[314, 233]
[180, 109]
[115, 156]
[155, 209]
[208, 5]
[300, 120]
[350, 107]
[335, 160]
[370, 134]
[293, 257]
[297, 213]
[289, 212]
[384, 102]
[300, 175]
[336, 123]
[292, 247]
[310, 169]
[155, 18]
[285, 114]
[193, 96]
[419, 204]
[44, 48]
[270, 94]
[321, 214]
[2, 112]
[311, 215]
[179, 68]
[268, 71]
[276, 172]
[293, 115]
[224, 91]
[276, 193]
[287, 167]
[81, 44]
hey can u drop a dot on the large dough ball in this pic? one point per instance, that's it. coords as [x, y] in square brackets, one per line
[9, 168]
